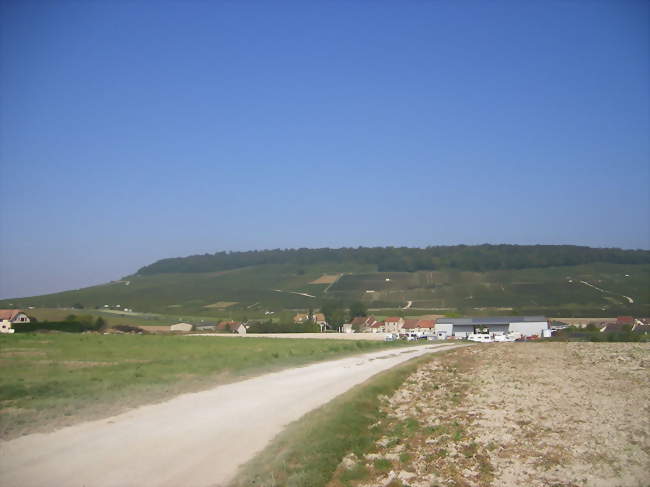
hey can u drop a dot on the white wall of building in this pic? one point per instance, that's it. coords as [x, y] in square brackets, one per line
[181, 327]
[446, 327]
[529, 328]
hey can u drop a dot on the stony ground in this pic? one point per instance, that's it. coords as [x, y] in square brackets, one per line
[515, 414]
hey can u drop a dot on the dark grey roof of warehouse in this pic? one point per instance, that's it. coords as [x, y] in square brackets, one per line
[489, 320]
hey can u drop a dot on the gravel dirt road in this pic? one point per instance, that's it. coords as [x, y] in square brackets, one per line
[192, 440]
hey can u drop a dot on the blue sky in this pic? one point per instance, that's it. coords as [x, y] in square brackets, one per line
[133, 131]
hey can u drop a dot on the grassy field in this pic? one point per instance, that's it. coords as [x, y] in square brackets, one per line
[54, 379]
[249, 292]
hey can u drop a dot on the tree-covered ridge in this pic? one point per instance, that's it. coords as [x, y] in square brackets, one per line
[407, 259]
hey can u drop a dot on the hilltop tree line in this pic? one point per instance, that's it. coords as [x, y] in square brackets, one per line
[476, 258]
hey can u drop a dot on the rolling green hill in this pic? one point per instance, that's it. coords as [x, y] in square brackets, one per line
[607, 281]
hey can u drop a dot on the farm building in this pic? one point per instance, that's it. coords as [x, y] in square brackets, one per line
[181, 327]
[461, 327]
[14, 315]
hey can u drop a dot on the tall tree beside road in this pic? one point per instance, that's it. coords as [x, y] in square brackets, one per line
[334, 312]
[358, 308]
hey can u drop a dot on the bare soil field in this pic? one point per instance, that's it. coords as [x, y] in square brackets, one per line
[326, 279]
[519, 414]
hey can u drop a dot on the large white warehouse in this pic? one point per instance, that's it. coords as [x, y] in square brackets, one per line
[461, 327]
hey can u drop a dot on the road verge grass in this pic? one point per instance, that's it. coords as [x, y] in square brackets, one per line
[308, 451]
[51, 380]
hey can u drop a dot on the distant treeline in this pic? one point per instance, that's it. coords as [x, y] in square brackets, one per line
[407, 259]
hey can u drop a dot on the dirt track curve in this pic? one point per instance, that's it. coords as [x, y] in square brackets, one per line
[192, 440]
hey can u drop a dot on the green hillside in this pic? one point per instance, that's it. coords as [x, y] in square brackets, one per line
[608, 288]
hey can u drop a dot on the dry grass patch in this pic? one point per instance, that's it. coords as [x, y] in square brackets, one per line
[221, 304]
[546, 414]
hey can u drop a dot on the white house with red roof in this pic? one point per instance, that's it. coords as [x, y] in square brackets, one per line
[360, 323]
[394, 324]
[14, 315]
[378, 327]
[418, 326]
[10, 316]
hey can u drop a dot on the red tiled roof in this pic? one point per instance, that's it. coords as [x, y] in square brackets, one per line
[392, 319]
[9, 314]
[624, 319]
[408, 324]
[377, 324]
[359, 320]
[233, 325]
[427, 323]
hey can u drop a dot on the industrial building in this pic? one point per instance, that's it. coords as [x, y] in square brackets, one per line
[461, 327]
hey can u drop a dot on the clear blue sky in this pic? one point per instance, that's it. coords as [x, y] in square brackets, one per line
[134, 131]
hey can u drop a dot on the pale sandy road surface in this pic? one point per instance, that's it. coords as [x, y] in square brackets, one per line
[195, 439]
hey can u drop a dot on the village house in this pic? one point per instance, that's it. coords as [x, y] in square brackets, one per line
[318, 318]
[14, 315]
[181, 327]
[410, 326]
[300, 318]
[229, 326]
[360, 324]
[5, 327]
[426, 326]
[393, 324]
[378, 327]
[419, 326]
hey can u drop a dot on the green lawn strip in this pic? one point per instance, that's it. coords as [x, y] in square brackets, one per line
[55, 379]
[309, 450]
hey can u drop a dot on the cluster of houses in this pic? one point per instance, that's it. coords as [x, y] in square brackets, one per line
[393, 324]
[452, 327]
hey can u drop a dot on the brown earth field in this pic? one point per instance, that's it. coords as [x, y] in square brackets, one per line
[515, 414]
[326, 279]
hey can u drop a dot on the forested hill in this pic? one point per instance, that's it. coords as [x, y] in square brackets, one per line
[396, 259]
